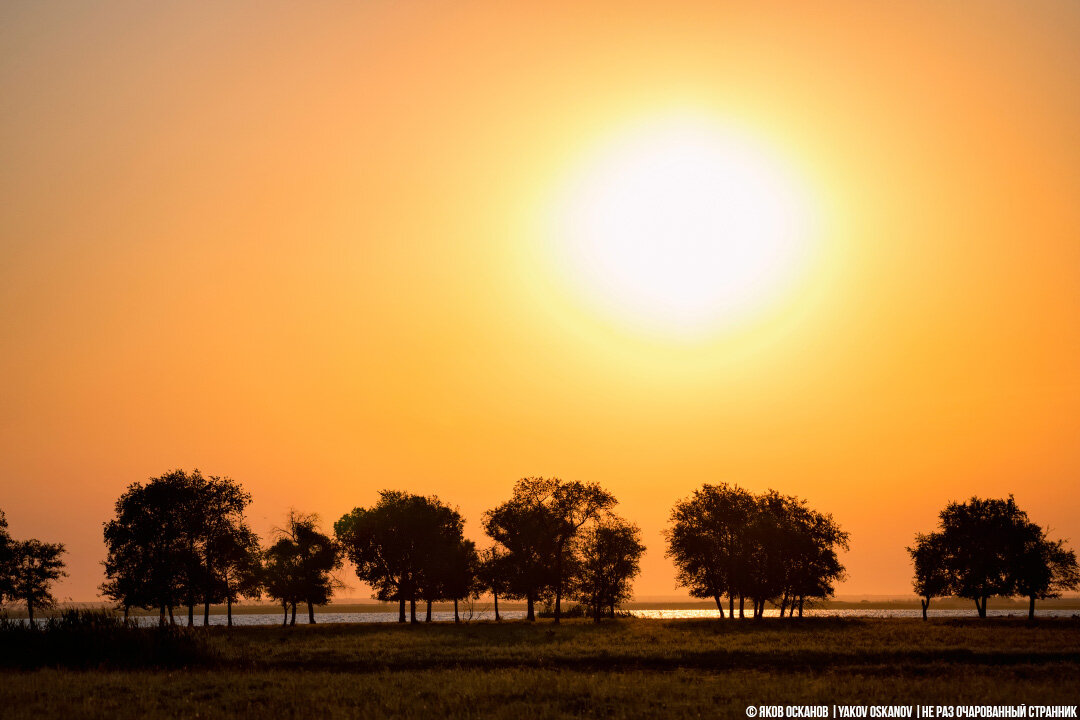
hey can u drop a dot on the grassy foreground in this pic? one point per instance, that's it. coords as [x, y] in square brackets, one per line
[620, 669]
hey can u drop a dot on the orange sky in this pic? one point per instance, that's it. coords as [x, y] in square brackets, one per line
[300, 245]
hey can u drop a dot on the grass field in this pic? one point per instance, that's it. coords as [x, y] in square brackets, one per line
[625, 668]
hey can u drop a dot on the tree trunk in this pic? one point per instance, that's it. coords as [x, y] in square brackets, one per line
[126, 609]
[731, 606]
[456, 619]
[719, 605]
[1031, 607]
[530, 613]
[496, 606]
[981, 606]
[206, 613]
[742, 607]
[161, 617]
[412, 611]
[191, 615]
[172, 617]
[310, 613]
[401, 609]
[925, 602]
[30, 610]
[783, 605]
[292, 616]
[228, 611]
[427, 618]
[801, 599]
[285, 608]
[558, 584]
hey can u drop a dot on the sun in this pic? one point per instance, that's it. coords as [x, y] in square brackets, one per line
[683, 226]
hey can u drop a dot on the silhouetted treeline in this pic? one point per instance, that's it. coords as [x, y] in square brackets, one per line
[182, 540]
[987, 548]
[556, 539]
[552, 539]
[28, 569]
[725, 541]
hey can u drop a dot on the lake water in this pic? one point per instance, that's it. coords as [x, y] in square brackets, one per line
[673, 614]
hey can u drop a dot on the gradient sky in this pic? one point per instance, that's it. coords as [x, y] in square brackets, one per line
[300, 244]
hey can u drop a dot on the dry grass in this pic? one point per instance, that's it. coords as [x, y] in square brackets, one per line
[623, 669]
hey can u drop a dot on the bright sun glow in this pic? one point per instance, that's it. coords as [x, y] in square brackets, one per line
[683, 227]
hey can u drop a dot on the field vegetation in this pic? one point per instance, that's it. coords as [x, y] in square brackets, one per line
[621, 668]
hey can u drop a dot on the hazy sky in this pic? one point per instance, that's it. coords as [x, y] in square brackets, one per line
[307, 245]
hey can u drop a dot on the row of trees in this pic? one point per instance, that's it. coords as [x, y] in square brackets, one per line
[182, 540]
[28, 569]
[989, 547]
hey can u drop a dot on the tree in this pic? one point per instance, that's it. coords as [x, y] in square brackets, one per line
[932, 577]
[706, 541]
[537, 527]
[150, 558]
[281, 576]
[238, 559]
[173, 540]
[766, 548]
[810, 561]
[1043, 568]
[218, 534]
[399, 544]
[610, 552]
[988, 547]
[36, 566]
[449, 568]
[493, 574]
[980, 536]
[300, 565]
[7, 560]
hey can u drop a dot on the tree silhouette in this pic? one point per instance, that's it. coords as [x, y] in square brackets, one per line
[1043, 568]
[174, 541]
[459, 571]
[238, 560]
[610, 553]
[707, 542]
[149, 554]
[299, 565]
[931, 568]
[989, 547]
[7, 560]
[493, 574]
[401, 547]
[537, 528]
[765, 548]
[221, 538]
[36, 566]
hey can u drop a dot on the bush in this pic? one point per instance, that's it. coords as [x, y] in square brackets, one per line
[99, 638]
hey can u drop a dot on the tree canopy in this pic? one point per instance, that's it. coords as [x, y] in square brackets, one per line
[407, 548]
[990, 547]
[179, 540]
[725, 540]
[537, 527]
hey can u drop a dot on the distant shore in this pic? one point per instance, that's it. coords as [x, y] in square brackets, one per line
[356, 606]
